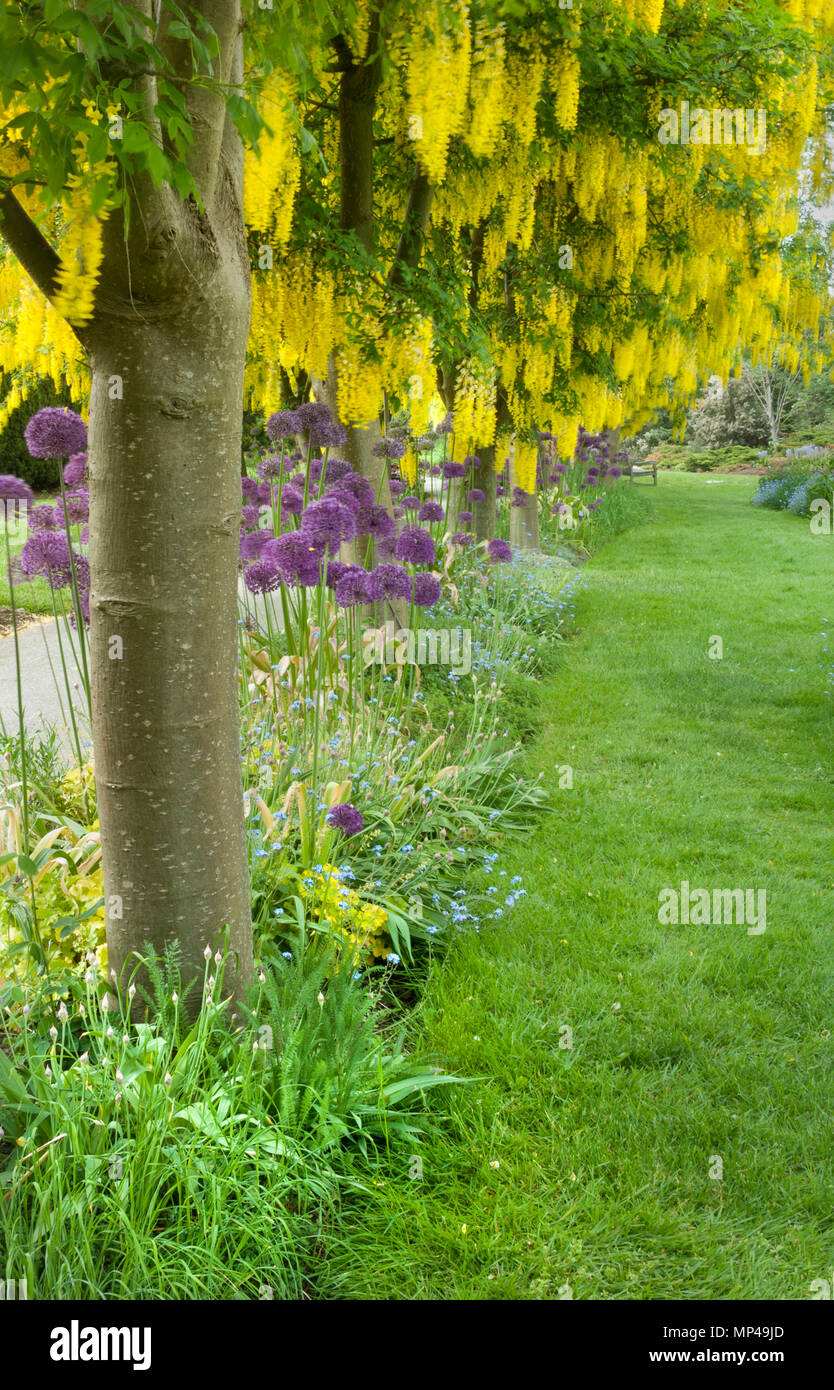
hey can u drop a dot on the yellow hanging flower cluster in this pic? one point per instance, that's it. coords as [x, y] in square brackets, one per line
[271, 176]
[475, 405]
[79, 255]
[524, 464]
[437, 82]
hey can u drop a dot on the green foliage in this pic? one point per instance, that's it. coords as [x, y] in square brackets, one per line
[40, 474]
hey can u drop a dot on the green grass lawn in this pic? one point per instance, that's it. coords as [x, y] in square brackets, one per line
[589, 1166]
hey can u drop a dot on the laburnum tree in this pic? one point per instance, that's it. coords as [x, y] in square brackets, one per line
[464, 195]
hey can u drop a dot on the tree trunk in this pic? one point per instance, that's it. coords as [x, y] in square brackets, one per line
[486, 479]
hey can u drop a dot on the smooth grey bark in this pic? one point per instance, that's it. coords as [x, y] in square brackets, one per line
[486, 479]
[169, 333]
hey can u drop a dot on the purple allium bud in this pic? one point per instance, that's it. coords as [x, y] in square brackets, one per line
[431, 511]
[415, 546]
[42, 518]
[389, 448]
[453, 470]
[297, 558]
[426, 590]
[261, 577]
[465, 517]
[346, 818]
[283, 424]
[461, 538]
[499, 551]
[393, 581]
[476, 494]
[55, 432]
[396, 486]
[75, 472]
[327, 523]
[411, 504]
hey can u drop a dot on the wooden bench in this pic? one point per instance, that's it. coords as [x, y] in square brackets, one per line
[646, 469]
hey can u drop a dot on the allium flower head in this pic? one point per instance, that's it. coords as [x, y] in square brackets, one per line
[283, 424]
[454, 470]
[445, 426]
[499, 551]
[613, 472]
[292, 501]
[297, 559]
[461, 538]
[252, 543]
[43, 518]
[465, 517]
[270, 467]
[75, 472]
[426, 590]
[335, 469]
[55, 432]
[46, 553]
[261, 577]
[397, 487]
[392, 580]
[389, 448]
[411, 504]
[78, 507]
[327, 523]
[352, 587]
[472, 461]
[431, 511]
[346, 818]
[476, 494]
[248, 486]
[381, 524]
[415, 546]
[251, 516]
[14, 489]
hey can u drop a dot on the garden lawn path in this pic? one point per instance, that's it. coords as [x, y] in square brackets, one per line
[592, 1170]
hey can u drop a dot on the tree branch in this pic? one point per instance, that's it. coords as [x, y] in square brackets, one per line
[37, 256]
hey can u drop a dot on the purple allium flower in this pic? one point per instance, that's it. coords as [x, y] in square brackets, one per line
[426, 590]
[248, 486]
[592, 472]
[431, 511]
[500, 491]
[84, 535]
[499, 551]
[335, 469]
[424, 442]
[545, 435]
[296, 557]
[398, 513]
[415, 546]
[43, 518]
[75, 471]
[453, 470]
[559, 468]
[561, 507]
[476, 494]
[270, 467]
[14, 489]
[298, 480]
[251, 516]
[55, 432]
[393, 581]
[351, 587]
[331, 436]
[582, 486]
[389, 448]
[335, 570]
[445, 426]
[381, 524]
[472, 461]
[461, 538]
[292, 501]
[78, 507]
[327, 523]
[264, 494]
[396, 487]
[592, 506]
[314, 414]
[519, 497]
[252, 543]
[261, 577]
[436, 469]
[283, 424]
[411, 503]
[346, 818]
[613, 472]
[46, 553]
[465, 517]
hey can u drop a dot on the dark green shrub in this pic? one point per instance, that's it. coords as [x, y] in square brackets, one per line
[40, 474]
